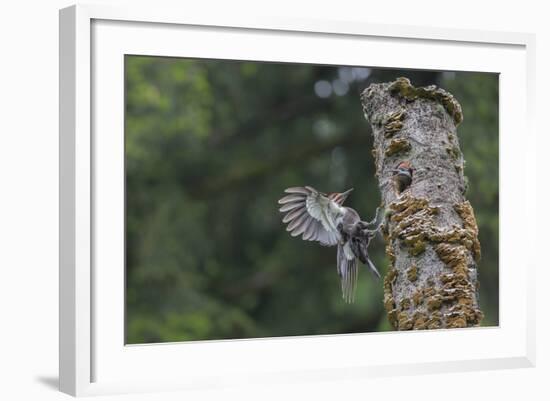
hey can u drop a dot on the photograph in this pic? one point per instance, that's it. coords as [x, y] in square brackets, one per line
[270, 199]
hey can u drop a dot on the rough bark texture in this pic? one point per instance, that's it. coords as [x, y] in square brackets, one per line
[430, 229]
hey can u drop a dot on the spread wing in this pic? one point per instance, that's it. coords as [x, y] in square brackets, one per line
[347, 270]
[311, 214]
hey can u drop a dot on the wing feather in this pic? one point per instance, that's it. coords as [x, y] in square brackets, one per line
[327, 238]
[294, 214]
[292, 198]
[309, 232]
[297, 190]
[300, 227]
[290, 206]
[296, 222]
[311, 214]
[373, 268]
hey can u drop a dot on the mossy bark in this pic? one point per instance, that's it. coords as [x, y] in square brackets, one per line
[430, 229]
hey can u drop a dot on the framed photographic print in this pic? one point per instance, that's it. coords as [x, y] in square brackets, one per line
[276, 200]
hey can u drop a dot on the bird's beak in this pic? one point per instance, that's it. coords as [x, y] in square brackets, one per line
[345, 194]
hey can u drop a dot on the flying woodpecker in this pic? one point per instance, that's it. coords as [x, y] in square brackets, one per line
[318, 216]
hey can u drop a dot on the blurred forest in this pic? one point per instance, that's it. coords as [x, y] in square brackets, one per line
[211, 145]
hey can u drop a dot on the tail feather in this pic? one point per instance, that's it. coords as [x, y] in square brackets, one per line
[348, 271]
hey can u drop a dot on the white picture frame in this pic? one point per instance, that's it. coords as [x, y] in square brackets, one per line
[93, 356]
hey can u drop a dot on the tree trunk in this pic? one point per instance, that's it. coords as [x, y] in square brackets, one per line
[430, 229]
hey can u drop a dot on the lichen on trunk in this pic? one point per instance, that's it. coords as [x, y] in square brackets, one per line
[430, 228]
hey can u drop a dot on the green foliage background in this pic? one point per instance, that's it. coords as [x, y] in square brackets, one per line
[210, 146]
